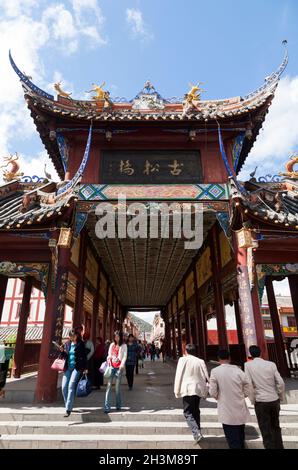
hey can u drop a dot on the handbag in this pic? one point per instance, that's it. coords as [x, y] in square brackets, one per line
[58, 364]
[108, 372]
[103, 367]
[84, 387]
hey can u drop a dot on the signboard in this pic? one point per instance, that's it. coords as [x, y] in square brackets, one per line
[150, 166]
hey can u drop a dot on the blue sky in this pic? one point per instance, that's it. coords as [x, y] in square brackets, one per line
[231, 46]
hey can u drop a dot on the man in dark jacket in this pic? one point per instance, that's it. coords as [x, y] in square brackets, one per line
[132, 353]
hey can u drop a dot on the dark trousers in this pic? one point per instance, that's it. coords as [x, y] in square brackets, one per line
[268, 419]
[137, 366]
[129, 374]
[191, 411]
[3, 373]
[235, 435]
[98, 376]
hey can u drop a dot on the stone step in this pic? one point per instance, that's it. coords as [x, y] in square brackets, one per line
[120, 441]
[130, 427]
[95, 414]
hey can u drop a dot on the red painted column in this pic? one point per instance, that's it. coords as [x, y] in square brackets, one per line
[78, 312]
[179, 328]
[95, 307]
[238, 322]
[46, 388]
[278, 337]
[242, 351]
[218, 294]
[256, 317]
[260, 330]
[187, 319]
[105, 315]
[112, 317]
[200, 325]
[3, 286]
[22, 327]
[293, 283]
[174, 345]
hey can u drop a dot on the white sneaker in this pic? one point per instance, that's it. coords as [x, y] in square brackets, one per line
[198, 437]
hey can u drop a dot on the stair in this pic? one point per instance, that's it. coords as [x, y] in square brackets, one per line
[44, 427]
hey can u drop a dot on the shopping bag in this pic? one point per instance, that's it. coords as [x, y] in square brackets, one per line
[58, 364]
[103, 367]
[84, 387]
[140, 363]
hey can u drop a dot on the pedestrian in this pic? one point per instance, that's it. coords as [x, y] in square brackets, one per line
[90, 353]
[75, 353]
[4, 365]
[106, 347]
[99, 358]
[268, 390]
[163, 350]
[157, 351]
[140, 356]
[229, 386]
[132, 358]
[191, 381]
[152, 352]
[116, 359]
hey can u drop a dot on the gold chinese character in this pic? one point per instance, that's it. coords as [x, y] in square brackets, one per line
[149, 168]
[176, 170]
[125, 167]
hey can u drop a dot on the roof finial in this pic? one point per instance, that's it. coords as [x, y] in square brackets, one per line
[12, 166]
[60, 91]
[290, 173]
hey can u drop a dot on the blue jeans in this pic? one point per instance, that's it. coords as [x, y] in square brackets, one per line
[117, 373]
[69, 387]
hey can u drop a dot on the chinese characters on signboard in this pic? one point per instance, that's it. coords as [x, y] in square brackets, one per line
[246, 309]
[150, 166]
[58, 320]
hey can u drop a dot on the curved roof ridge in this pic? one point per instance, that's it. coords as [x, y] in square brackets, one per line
[26, 82]
[272, 79]
[270, 82]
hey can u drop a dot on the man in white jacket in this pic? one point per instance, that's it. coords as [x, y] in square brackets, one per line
[229, 386]
[191, 385]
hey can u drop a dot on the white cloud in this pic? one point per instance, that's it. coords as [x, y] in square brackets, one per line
[15, 8]
[134, 18]
[27, 27]
[279, 136]
[68, 27]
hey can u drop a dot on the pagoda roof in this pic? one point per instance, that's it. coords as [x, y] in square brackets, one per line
[272, 203]
[147, 106]
[26, 205]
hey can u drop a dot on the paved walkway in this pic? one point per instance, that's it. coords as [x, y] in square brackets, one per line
[151, 417]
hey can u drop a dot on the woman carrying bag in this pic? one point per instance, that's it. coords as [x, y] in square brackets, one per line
[116, 365]
[75, 355]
